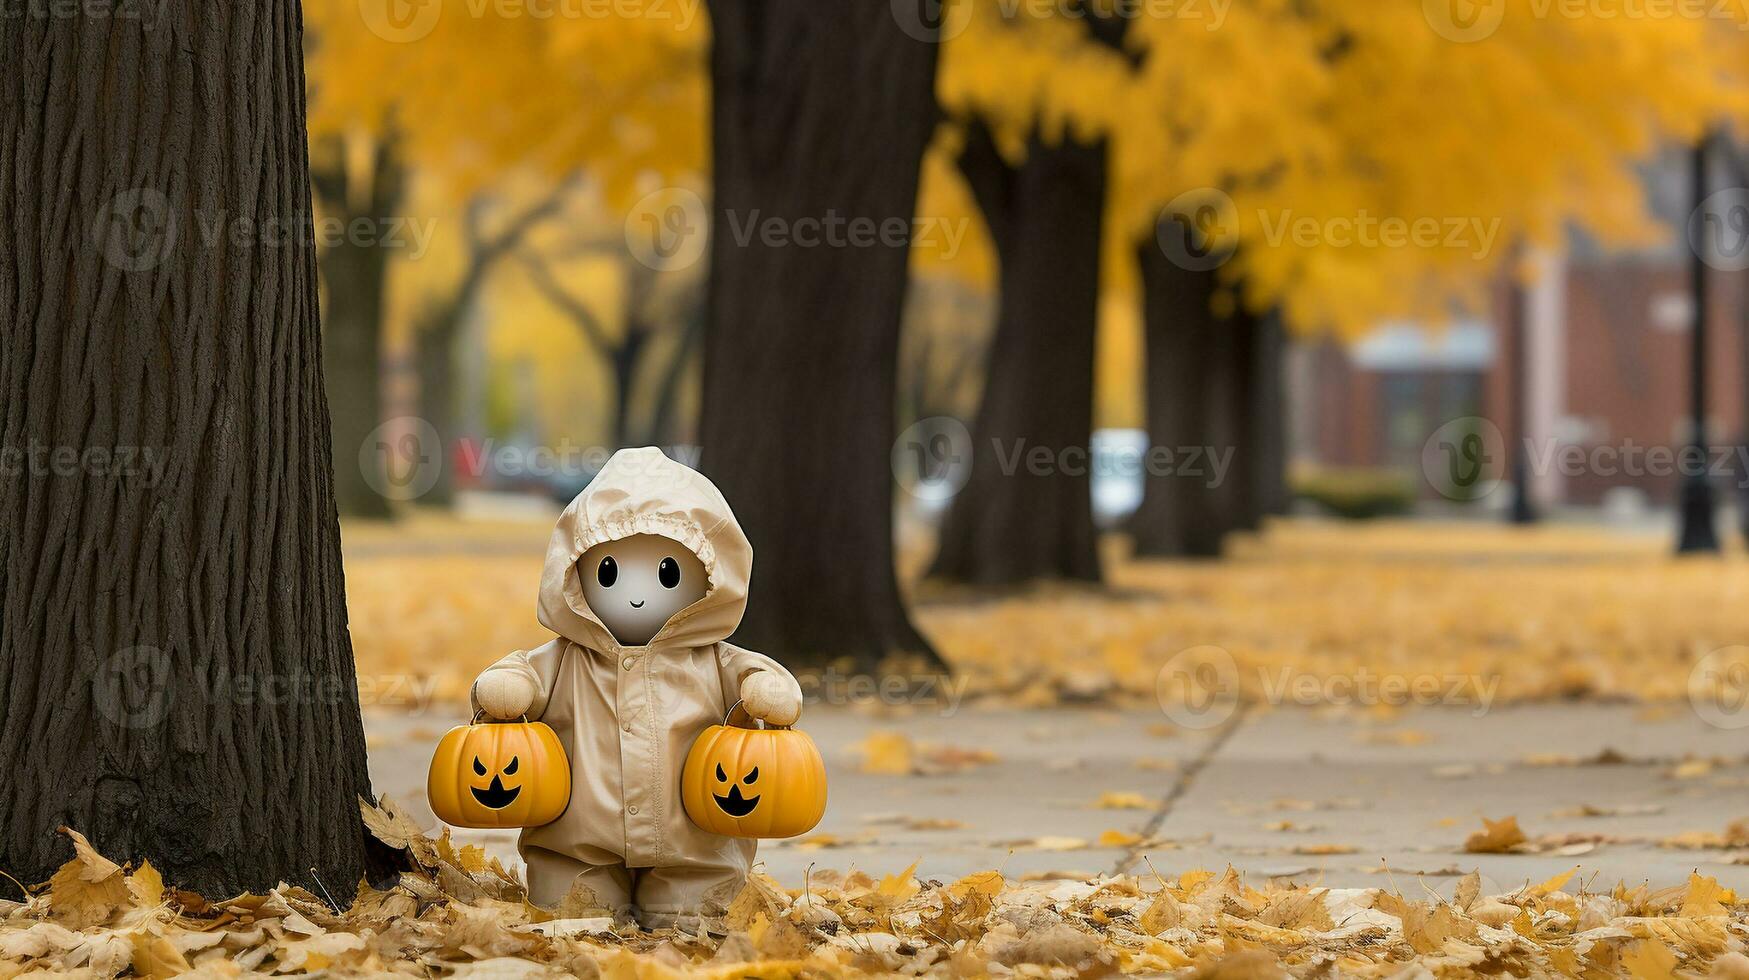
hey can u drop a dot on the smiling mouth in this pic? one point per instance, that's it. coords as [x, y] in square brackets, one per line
[495, 796]
[735, 805]
[638, 605]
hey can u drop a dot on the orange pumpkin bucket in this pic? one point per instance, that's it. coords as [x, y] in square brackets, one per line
[745, 779]
[500, 774]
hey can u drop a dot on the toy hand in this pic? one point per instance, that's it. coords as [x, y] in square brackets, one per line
[768, 698]
[503, 694]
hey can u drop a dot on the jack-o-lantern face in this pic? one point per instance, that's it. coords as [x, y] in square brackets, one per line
[754, 782]
[734, 803]
[497, 796]
[499, 775]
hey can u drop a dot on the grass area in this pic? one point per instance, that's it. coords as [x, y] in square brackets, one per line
[1552, 612]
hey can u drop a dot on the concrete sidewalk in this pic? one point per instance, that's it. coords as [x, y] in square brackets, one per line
[1286, 793]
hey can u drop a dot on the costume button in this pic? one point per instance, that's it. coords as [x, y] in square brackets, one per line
[627, 726]
[633, 809]
[629, 662]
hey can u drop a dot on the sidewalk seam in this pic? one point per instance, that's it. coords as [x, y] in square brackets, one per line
[1186, 776]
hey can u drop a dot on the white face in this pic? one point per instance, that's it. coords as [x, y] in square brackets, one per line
[635, 584]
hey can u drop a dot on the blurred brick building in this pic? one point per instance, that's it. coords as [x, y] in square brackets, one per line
[1607, 337]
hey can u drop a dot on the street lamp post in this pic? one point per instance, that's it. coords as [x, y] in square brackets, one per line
[1698, 534]
[1523, 512]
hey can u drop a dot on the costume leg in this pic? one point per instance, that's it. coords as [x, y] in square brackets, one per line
[669, 895]
[552, 877]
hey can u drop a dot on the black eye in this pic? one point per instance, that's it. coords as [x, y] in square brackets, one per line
[478, 768]
[608, 573]
[510, 770]
[722, 777]
[669, 573]
[751, 776]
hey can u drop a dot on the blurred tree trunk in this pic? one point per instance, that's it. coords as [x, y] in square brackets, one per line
[1021, 518]
[1267, 417]
[436, 334]
[434, 342]
[665, 421]
[176, 679]
[440, 326]
[1018, 518]
[1214, 393]
[819, 109]
[356, 274]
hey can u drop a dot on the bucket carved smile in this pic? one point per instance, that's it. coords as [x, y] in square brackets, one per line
[495, 796]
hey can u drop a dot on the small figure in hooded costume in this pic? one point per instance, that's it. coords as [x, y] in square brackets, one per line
[645, 578]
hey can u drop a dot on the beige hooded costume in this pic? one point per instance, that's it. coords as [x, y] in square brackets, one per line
[628, 715]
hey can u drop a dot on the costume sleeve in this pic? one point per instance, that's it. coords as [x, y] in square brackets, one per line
[539, 666]
[738, 663]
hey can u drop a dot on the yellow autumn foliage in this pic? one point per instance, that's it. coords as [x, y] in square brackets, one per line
[482, 90]
[1375, 166]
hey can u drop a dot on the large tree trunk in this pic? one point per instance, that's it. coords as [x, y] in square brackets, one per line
[176, 678]
[820, 110]
[356, 273]
[1205, 401]
[1022, 517]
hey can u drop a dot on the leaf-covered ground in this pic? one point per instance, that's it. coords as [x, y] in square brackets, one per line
[1570, 612]
[1548, 612]
[463, 914]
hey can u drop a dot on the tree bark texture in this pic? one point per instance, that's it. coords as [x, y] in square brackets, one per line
[1027, 511]
[176, 678]
[820, 110]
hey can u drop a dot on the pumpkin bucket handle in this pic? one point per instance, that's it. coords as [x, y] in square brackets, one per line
[481, 713]
[738, 717]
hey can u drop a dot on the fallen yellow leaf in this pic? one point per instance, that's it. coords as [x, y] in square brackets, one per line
[1499, 837]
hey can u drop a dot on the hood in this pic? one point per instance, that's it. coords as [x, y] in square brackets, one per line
[641, 491]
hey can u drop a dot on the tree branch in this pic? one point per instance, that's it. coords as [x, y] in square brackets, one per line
[578, 312]
[485, 252]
